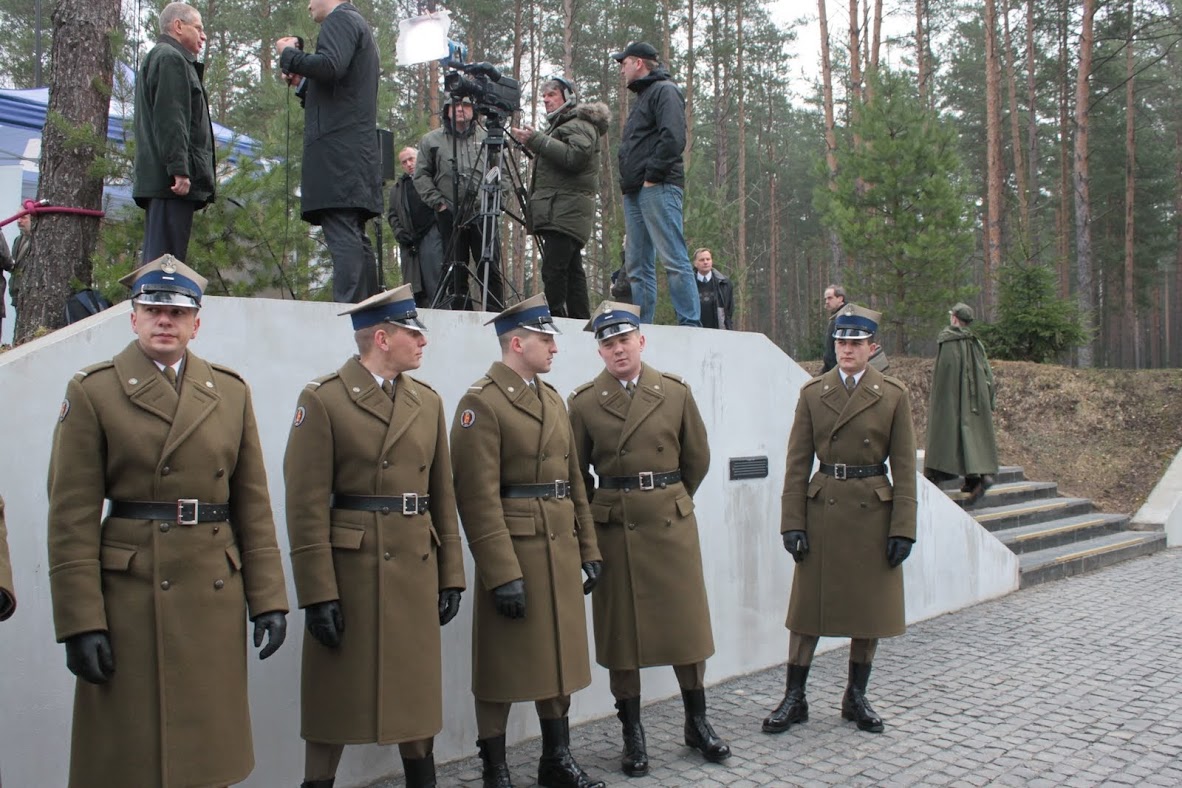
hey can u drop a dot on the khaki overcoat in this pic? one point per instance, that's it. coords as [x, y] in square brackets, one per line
[383, 683]
[7, 595]
[650, 605]
[960, 439]
[174, 598]
[844, 585]
[504, 434]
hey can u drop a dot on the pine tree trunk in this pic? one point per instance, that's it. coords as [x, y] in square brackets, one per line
[1031, 110]
[1131, 345]
[1083, 205]
[741, 278]
[1016, 138]
[921, 60]
[1063, 218]
[691, 64]
[73, 140]
[830, 133]
[993, 163]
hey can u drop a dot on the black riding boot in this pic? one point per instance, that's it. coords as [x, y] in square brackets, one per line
[794, 708]
[699, 734]
[854, 705]
[318, 783]
[557, 767]
[420, 772]
[494, 771]
[635, 760]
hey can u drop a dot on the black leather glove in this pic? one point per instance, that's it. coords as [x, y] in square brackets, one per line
[898, 548]
[796, 543]
[449, 604]
[274, 624]
[593, 569]
[510, 599]
[325, 622]
[89, 656]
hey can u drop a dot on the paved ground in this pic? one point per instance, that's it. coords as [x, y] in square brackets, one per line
[1077, 682]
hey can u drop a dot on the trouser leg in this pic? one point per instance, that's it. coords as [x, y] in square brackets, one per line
[418, 762]
[321, 760]
[661, 207]
[557, 768]
[640, 263]
[854, 705]
[794, 708]
[801, 648]
[168, 224]
[354, 276]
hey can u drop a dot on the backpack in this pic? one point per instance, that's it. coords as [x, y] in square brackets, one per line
[85, 303]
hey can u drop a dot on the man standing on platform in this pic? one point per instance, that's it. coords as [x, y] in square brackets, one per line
[413, 221]
[642, 432]
[848, 527]
[524, 510]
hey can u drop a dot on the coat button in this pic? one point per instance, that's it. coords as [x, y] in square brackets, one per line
[387, 556]
[865, 441]
[543, 456]
[426, 556]
[164, 527]
[623, 452]
[218, 585]
[165, 470]
[385, 463]
[832, 501]
[863, 504]
[566, 456]
[217, 528]
[632, 526]
[220, 473]
[422, 467]
[575, 533]
[660, 448]
[833, 437]
[165, 585]
[385, 510]
[553, 537]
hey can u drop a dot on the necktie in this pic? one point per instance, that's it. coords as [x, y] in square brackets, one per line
[850, 383]
[630, 387]
[170, 375]
[388, 387]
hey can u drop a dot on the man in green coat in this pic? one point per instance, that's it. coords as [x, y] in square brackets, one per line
[562, 194]
[642, 432]
[375, 545]
[524, 510]
[961, 441]
[848, 527]
[173, 175]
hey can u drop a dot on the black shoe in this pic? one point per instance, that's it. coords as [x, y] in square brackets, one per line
[557, 768]
[634, 763]
[794, 708]
[699, 734]
[494, 771]
[854, 705]
[318, 783]
[420, 772]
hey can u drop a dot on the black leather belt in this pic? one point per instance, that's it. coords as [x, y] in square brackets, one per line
[410, 503]
[645, 480]
[843, 472]
[183, 511]
[559, 488]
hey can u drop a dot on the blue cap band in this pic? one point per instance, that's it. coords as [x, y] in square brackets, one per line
[855, 321]
[392, 312]
[160, 280]
[612, 318]
[537, 316]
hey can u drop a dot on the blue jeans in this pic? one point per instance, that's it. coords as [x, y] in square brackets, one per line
[652, 220]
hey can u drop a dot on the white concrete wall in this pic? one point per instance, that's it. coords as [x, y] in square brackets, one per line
[1163, 508]
[745, 386]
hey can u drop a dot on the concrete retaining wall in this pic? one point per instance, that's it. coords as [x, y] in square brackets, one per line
[746, 388]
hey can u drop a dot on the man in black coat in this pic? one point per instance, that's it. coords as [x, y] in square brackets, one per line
[419, 241]
[834, 301]
[173, 175]
[341, 184]
[715, 292]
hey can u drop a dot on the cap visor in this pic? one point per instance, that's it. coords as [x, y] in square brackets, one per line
[167, 299]
[547, 328]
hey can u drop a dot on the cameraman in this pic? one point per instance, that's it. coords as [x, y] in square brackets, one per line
[413, 223]
[562, 194]
[449, 156]
[341, 182]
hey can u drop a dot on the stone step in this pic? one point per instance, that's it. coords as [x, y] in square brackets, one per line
[1002, 494]
[1054, 563]
[997, 518]
[1005, 475]
[1065, 530]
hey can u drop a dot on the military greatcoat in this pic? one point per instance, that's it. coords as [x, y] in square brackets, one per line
[960, 436]
[650, 606]
[503, 435]
[383, 683]
[7, 595]
[174, 598]
[844, 585]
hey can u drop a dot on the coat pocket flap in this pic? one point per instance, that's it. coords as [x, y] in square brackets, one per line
[234, 557]
[601, 512]
[520, 526]
[342, 537]
[814, 488]
[434, 536]
[685, 506]
[885, 493]
[116, 557]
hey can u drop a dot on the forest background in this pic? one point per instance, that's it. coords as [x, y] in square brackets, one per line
[1024, 156]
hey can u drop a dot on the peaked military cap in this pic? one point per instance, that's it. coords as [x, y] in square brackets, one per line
[395, 306]
[533, 314]
[856, 322]
[611, 318]
[166, 281]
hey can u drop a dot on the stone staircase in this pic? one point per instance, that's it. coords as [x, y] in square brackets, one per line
[1053, 536]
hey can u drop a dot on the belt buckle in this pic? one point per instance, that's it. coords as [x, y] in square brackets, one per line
[839, 472]
[560, 489]
[646, 480]
[410, 503]
[181, 503]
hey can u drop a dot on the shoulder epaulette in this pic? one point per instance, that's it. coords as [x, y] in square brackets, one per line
[80, 374]
[895, 382]
[811, 382]
[479, 385]
[581, 389]
[227, 370]
[425, 385]
[677, 378]
[312, 385]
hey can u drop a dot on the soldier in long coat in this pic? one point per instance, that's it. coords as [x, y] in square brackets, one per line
[524, 511]
[375, 546]
[7, 595]
[849, 527]
[642, 432]
[150, 601]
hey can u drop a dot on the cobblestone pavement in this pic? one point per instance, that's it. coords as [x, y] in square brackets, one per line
[1072, 683]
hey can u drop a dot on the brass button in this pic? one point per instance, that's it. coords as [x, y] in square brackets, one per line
[164, 527]
[831, 501]
[543, 456]
[553, 537]
[632, 526]
[863, 504]
[623, 452]
[165, 585]
[220, 473]
[217, 528]
[385, 463]
[387, 556]
[422, 467]
[218, 584]
[833, 437]
[865, 441]
[165, 470]
[575, 533]
[426, 556]
[660, 448]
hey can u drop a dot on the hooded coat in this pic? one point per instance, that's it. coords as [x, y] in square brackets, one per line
[961, 440]
[844, 586]
[504, 435]
[566, 171]
[173, 598]
[650, 604]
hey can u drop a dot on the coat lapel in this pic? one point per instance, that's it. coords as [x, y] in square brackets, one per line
[647, 397]
[867, 393]
[407, 406]
[516, 390]
[198, 398]
[612, 396]
[144, 385]
[365, 391]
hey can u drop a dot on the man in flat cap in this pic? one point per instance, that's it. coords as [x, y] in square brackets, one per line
[961, 441]
[849, 526]
[652, 178]
[641, 430]
[375, 546]
[149, 602]
[524, 510]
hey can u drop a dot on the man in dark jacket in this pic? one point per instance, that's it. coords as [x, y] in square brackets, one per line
[413, 223]
[652, 178]
[562, 195]
[715, 293]
[834, 301]
[174, 157]
[341, 185]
